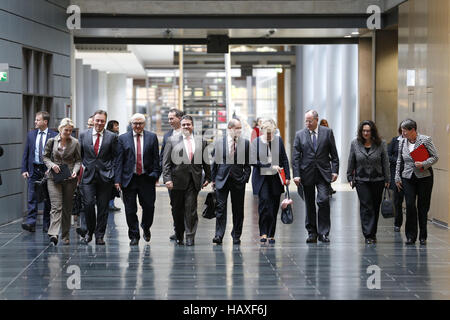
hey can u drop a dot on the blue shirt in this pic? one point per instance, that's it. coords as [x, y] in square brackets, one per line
[36, 148]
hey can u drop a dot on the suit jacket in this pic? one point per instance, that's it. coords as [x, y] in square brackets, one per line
[126, 157]
[371, 166]
[306, 160]
[104, 162]
[177, 167]
[393, 155]
[167, 135]
[223, 164]
[71, 155]
[28, 153]
[259, 160]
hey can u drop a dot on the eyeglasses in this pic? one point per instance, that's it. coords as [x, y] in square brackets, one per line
[138, 123]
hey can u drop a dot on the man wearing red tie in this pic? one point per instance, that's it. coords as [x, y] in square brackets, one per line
[183, 162]
[98, 151]
[138, 170]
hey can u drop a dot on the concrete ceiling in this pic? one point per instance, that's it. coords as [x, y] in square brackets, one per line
[146, 7]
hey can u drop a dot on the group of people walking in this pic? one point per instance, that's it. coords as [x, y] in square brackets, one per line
[132, 164]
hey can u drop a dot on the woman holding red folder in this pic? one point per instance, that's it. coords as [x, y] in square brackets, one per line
[414, 175]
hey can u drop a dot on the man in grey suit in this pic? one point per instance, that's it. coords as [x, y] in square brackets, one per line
[98, 151]
[182, 173]
[315, 165]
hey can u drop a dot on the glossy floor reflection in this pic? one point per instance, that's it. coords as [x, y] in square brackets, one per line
[288, 269]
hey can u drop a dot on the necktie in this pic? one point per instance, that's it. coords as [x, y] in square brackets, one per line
[97, 144]
[189, 143]
[233, 148]
[314, 141]
[139, 155]
[41, 146]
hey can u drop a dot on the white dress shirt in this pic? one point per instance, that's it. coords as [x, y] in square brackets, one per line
[192, 144]
[317, 134]
[94, 138]
[141, 138]
[36, 148]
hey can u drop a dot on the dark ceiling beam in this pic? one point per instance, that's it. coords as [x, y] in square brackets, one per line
[295, 21]
[204, 41]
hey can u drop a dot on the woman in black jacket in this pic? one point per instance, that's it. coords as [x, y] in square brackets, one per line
[399, 195]
[368, 170]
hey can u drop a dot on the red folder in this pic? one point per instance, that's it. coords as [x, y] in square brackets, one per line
[420, 155]
[282, 176]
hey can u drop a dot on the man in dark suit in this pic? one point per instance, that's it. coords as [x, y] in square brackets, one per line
[33, 169]
[315, 165]
[137, 172]
[183, 162]
[99, 151]
[174, 117]
[230, 172]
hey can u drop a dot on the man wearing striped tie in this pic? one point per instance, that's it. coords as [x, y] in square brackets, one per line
[183, 162]
[138, 169]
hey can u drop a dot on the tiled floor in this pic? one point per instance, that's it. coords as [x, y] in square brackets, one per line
[289, 269]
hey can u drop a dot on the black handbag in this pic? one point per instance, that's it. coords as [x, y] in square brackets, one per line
[387, 205]
[287, 216]
[210, 210]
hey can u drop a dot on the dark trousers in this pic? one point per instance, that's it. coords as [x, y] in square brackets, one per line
[420, 190]
[322, 226]
[237, 191]
[398, 202]
[370, 195]
[96, 193]
[184, 211]
[38, 174]
[143, 187]
[268, 206]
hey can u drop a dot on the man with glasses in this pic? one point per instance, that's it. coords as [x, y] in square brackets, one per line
[315, 165]
[138, 170]
[98, 151]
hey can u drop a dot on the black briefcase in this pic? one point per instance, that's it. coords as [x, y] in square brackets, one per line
[287, 216]
[77, 202]
[210, 210]
[387, 205]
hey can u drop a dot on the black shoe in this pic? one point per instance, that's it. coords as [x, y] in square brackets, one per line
[410, 242]
[173, 237]
[423, 242]
[311, 239]
[217, 240]
[45, 230]
[271, 241]
[190, 242]
[87, 238]
[100, 241]
[180, 242]
[369, 241]
[396, 229]
[333, 191]
[147, 235]
[133, 242]
[236, 241]
[324, 238]
[81, 232]
[29, 227]
[54, 240]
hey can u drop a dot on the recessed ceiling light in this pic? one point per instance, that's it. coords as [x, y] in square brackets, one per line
[355, 32]
[348, 36]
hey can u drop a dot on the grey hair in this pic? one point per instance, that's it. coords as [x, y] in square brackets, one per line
[314, 113]
[233, 122]
[137, 116]
[409, 124]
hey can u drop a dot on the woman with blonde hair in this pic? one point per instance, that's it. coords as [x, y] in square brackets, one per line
[62, 153]
[268, 157]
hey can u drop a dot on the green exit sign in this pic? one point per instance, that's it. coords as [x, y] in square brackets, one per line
[4, 68]
[3, 76]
